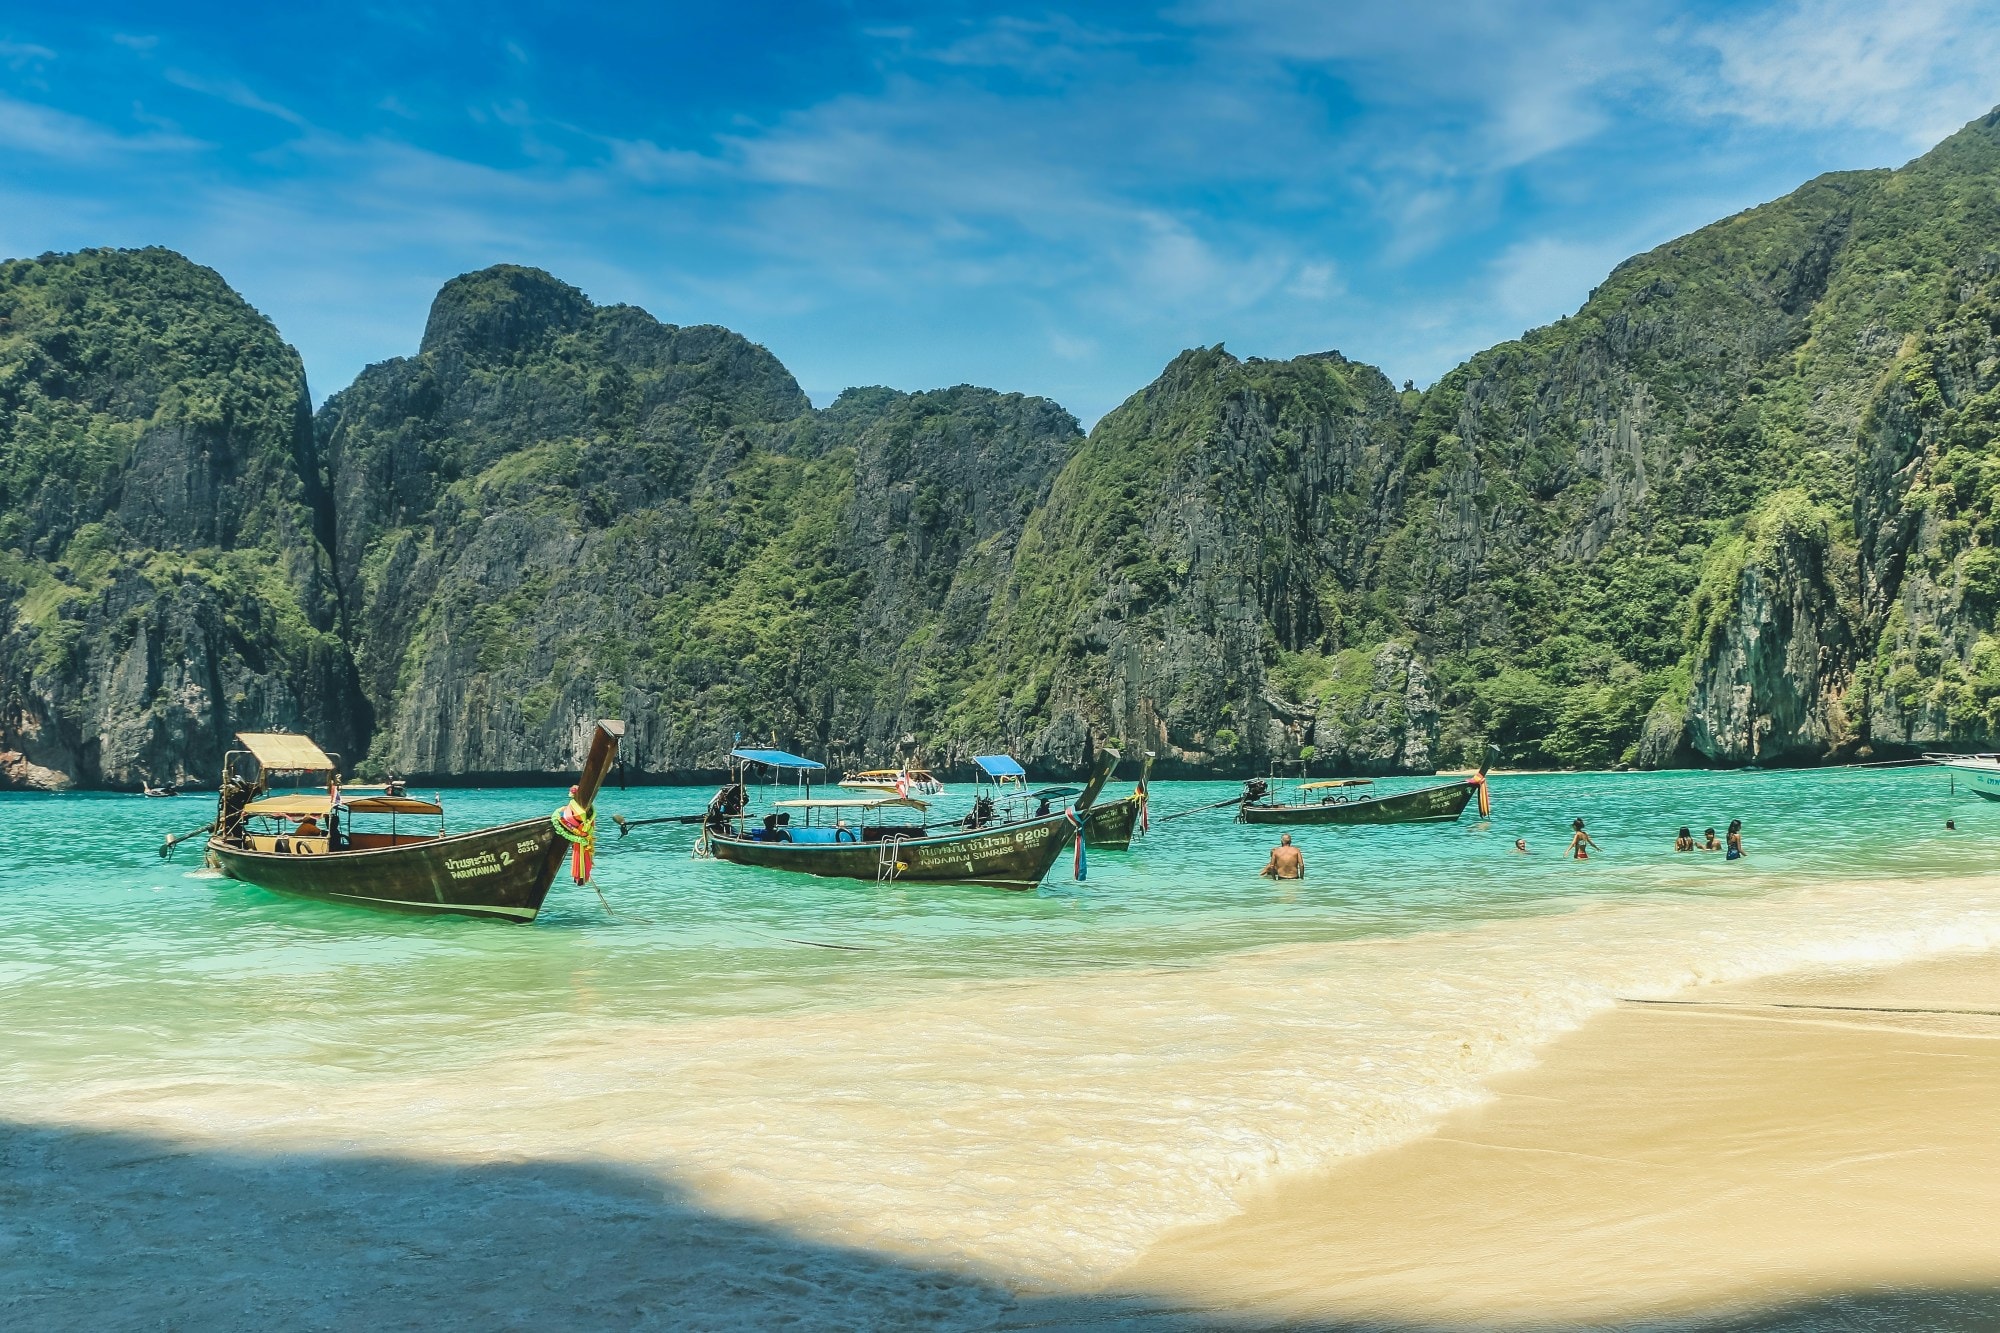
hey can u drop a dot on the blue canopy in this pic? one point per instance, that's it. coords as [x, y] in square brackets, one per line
[1000, 765]
[775, 758]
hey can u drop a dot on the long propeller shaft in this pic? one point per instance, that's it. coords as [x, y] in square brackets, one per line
[167, 847]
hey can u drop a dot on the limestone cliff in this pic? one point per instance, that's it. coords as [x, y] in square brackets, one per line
[163, 580]
[556, 509]
[1206, 527]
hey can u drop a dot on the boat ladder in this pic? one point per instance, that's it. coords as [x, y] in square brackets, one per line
[888, 859]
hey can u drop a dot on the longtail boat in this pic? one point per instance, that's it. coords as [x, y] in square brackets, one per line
[1328, 802]
[304, 842]
[1110, 824]
[857, 837]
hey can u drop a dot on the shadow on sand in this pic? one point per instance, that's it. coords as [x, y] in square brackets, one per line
[117, 1230]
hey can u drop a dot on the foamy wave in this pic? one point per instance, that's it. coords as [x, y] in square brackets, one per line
[1055, 1128]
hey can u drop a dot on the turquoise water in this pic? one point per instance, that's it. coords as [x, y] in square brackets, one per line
[1307, 1019]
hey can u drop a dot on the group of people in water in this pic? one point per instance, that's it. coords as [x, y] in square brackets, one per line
[1288, 862]
[1732, 848]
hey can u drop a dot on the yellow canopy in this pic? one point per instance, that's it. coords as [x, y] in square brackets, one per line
[283, 752]
[392, 805]
[292, 805]
[860, 803]
[1338, 782]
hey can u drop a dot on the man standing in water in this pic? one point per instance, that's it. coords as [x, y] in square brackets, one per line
[1286, 862]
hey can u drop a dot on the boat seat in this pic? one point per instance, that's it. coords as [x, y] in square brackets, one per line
[824, 835]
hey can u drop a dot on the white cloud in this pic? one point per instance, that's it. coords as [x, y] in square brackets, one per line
[1537, 280]
[1917, 69]
[21, 55]
[236, 93]
[33, 128]
[1517, 79]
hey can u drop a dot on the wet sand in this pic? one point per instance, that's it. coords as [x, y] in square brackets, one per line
[1815, 1150]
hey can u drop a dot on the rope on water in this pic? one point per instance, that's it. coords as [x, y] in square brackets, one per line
[609, 910]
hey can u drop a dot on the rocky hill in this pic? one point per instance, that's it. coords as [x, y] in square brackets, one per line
[556, 510]
[1738, 508]
[164, 578]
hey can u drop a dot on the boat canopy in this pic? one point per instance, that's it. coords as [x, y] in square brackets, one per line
[392, 805]
[1053, 793]
[775, 758]
[299, 804]
[283, 752]
[1000, 765]
[292, 805]
[888, 774]
[858, 802]
[1337, 782]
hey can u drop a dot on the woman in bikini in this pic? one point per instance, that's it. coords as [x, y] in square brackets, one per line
[1580, 845]
[1735, 852]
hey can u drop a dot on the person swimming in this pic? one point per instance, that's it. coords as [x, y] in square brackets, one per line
[1711, 845]
[1735, 852]
[1684, 842]
[1580, 844]
[1521, 846]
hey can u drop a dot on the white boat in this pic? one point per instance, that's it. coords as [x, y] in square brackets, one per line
[1980, 771]
[894, 782]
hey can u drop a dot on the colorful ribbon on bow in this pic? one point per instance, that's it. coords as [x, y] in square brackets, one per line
[578, 826]
[1081, 866]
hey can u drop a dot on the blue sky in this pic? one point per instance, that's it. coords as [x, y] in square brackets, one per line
[1051, 200]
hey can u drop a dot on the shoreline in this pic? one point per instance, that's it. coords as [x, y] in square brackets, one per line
[1816, 1141]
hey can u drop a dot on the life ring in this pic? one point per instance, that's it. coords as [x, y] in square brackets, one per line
[300, 847]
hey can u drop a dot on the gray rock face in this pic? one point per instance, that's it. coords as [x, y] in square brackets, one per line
[556, 510]
[1205, 528]
[1771, 686]
[1391, 726]
[164, 583]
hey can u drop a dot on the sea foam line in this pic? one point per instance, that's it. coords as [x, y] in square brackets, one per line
[1052, 1129]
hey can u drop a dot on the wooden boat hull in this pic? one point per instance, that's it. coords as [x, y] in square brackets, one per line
[1108, 826]
[1425, 805]
[1009, 856]
[501, 872]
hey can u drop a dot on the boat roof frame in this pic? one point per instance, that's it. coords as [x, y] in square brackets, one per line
[1000, 766]
[777, 759]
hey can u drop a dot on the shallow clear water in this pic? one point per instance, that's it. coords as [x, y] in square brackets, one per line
[976, 1074]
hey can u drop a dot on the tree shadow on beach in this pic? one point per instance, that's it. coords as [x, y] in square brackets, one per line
[102, 1231]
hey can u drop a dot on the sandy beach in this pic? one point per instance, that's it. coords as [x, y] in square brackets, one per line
[1813, 1150]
